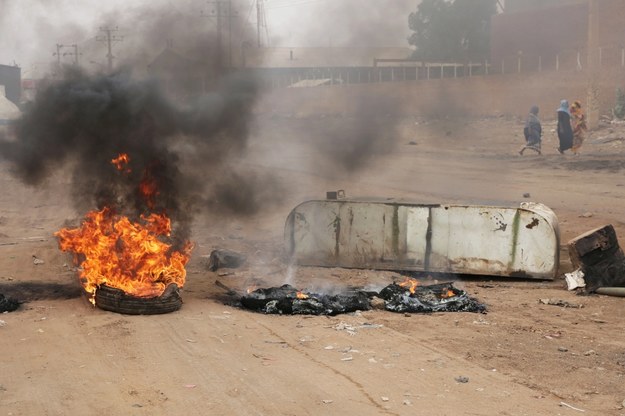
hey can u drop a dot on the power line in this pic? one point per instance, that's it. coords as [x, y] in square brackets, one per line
[75, 54]
[223, 9]
[295, 3]
[261, 21]
[109, 38]
[58, 53]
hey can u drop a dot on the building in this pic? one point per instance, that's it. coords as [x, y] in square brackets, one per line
[514, 6]
[553, 34]
[11, 78]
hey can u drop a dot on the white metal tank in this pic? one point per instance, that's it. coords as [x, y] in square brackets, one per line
[395, 235]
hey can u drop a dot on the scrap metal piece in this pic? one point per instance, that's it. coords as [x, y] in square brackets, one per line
[396, 235]
[611, 291]
[598, 254]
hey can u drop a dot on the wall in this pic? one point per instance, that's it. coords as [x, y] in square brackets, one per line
[558, 30]
[611, 30]
[492, 95]
[522, 5]
[545, 33]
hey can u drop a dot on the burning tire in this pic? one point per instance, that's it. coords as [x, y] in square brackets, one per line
[116, 300]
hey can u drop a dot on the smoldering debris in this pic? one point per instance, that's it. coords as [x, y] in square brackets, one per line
[286, 299]
[443, 297]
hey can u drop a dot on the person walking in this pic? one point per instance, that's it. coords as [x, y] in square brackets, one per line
[578, 122]
[565, 131]
[532, 131]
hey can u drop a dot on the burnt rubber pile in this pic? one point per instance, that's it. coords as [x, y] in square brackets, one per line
[287, 300]
[442, 297]
[8, 304]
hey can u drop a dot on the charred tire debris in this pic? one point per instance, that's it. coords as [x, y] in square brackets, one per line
[287, 300]
[8, 304]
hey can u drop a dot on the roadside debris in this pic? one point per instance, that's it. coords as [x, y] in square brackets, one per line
[352, 329]
[229, 291]
[560, 302]
[8, 304]
[410, 297]
[599, 257]
[575, 279]
[288, 300]
[571, 407]
[611, 291]
[405, 297]
[221, 258]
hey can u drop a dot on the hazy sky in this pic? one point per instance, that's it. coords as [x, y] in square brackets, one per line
[30, 29]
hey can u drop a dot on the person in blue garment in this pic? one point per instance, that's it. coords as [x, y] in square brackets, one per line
[532, 131]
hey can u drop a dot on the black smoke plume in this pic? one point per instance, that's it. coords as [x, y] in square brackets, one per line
[350, 142]
[82, 122]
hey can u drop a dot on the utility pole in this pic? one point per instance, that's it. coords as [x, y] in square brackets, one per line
[109, 38]
[75, 53]
[223, 8]
[258, 20]
[261, 21]
[592, 105]
[58, 53]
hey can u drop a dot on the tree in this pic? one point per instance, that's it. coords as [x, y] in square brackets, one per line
[452, 30]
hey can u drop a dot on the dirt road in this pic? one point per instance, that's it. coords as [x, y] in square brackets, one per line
[61, 356]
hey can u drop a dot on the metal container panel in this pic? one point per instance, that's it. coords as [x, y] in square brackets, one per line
[479, 240]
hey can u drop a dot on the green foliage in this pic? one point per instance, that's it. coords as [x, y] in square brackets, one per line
[619, 108]
[452, 30]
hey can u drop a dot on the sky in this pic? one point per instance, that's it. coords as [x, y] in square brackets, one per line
[31, 29]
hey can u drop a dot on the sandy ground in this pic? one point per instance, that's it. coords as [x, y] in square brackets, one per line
[61, 356]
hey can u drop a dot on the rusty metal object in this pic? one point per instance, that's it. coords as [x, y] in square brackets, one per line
[396, 235]
[598, 254]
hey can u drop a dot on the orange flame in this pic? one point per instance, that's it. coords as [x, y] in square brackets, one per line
[251, 289]
[130, 256]
[411, 284]
[126, 255]
[121, 162]
[302, 295]
[149, 190]
[448, 294]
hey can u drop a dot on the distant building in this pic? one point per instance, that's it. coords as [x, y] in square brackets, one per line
[11, 78]
[513, 6]
[543, 34]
